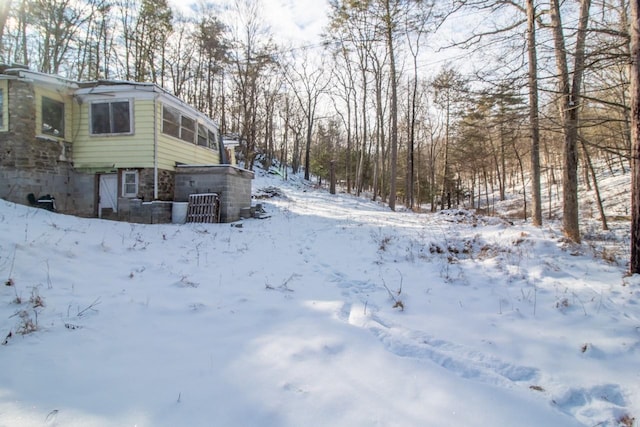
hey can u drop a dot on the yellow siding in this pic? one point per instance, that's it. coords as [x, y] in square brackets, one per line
[172, 150]
[136, 150]
[125, 151]
[68, 107]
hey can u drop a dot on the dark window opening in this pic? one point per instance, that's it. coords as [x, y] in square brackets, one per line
[52, 117]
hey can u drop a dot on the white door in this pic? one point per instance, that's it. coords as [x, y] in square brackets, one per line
[108, 193]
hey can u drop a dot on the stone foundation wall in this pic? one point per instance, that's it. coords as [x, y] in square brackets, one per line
[74, 192]
[232, 184]
[166, 180]
[39, 165]
[135, 210]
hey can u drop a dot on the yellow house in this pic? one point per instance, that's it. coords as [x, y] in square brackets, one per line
[104, 146]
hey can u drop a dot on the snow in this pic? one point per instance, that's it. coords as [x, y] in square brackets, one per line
[330, 310]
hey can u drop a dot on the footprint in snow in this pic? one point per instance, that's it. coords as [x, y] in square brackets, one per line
[462, 361]
[600, 405]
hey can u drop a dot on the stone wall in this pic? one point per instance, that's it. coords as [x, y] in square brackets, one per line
[135, 210]
[232, 184]
[38, 165]
[166, 180]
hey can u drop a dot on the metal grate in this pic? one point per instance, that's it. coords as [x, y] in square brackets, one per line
[203, 208]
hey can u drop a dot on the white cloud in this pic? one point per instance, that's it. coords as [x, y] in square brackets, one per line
[296, 22]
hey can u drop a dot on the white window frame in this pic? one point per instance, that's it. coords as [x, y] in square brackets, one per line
[179, 125]
[136, 183]
[110, 102]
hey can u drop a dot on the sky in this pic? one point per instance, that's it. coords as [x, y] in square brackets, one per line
[300, 23]
[295, 22]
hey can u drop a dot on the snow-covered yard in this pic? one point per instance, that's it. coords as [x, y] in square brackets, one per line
[331, 311]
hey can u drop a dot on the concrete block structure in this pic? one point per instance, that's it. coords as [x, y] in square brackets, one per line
[232, 184]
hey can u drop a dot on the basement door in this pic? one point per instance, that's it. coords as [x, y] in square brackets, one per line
[108, 193]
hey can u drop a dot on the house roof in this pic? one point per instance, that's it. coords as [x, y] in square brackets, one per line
[24, 73]
[102, 87]
[231, 139]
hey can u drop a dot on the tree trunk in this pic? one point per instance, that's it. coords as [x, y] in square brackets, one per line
[4, 12]
[360, 167]
[445, 177]
[412, 138]
[332, 177]
[307, 149]
[534, 121]
[634, 264]
[594, 178]
[393, 109]
[570, 106]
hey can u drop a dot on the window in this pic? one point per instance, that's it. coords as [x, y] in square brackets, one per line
[170, 121]
[207, 138]
[111, 117]
[177, 125]
[203, 136]
[213, 140]
[129, 183]
[52, 117]
[187, 129]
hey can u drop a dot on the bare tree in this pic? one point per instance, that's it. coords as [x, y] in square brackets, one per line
[152, 30]
[570, 93]
[634, 30]
[352, 22]
[447, 84]
[96, 42]
[534, 120]
[252, 54]
[214, 54]
[390, 27]
[307, 79]
[4, 14]
[57, 23]
[342, 72]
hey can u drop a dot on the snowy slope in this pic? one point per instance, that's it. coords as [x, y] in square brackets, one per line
[331, 310]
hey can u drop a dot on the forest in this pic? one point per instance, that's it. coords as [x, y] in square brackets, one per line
[528, 90]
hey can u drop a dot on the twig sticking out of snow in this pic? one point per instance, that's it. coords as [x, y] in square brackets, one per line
[90, 307]
[397, 303]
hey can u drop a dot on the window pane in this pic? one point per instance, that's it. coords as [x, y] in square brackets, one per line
[202, 135]
[130, 183]
[188, 131]
[52, 117]
[170, 114]
[170, 121]
[213, 140]
[121, 117]
[187, 135]
[170, 129]
[188, 123]
[100, 122]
